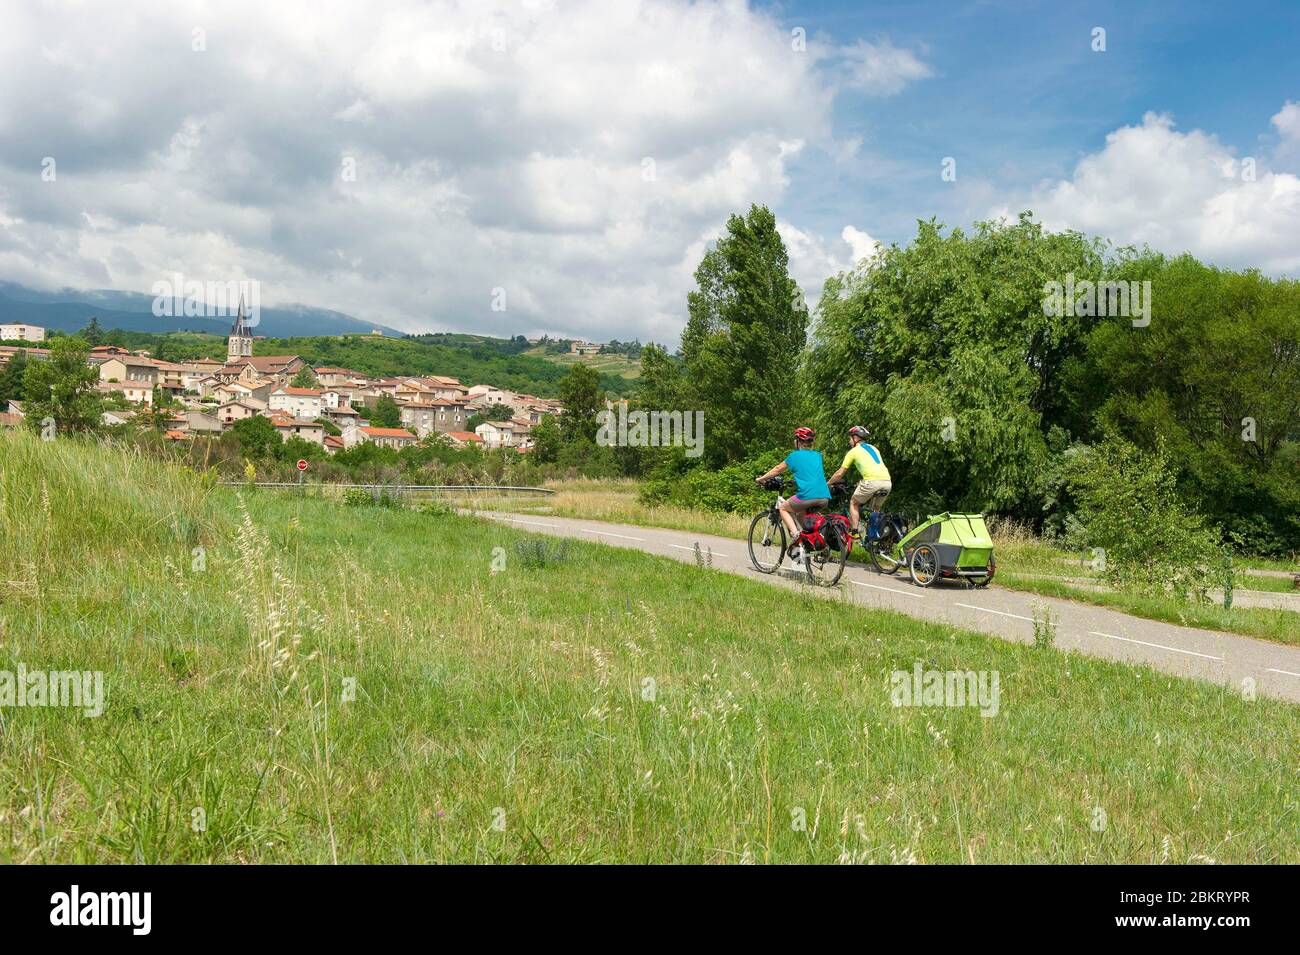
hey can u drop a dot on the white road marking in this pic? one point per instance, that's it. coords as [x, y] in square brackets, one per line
[692, 549]
[515, 520]
[892, 590]
[1287, 672]
[608, 534]
[1158, 646]
[999, 612]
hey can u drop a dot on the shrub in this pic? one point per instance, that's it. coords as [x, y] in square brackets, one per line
[1129, 508]
[730, 488]
[536, 552]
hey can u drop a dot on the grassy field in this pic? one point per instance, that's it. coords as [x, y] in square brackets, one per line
[321, 683]
[1025, 562]
[619, 366]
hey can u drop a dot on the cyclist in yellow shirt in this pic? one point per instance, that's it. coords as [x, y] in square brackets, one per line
[874, 484]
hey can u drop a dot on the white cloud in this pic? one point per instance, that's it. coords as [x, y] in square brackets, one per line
[1181, 192]
[880, 68]
[496, 144]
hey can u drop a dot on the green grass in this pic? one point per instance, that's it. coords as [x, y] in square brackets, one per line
[521, 696]
[1276, 585]
[1281, 626]
[1025, 562]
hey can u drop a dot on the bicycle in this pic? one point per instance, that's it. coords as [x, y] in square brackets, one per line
[824, 542]
[883, 549]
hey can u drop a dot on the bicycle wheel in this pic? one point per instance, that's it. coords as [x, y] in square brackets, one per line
[879, 552]
[766, 542]
[825, 567]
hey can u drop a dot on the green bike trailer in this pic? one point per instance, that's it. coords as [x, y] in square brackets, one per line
[952, 547]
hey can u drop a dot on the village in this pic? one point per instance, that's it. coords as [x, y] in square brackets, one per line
[207, 397]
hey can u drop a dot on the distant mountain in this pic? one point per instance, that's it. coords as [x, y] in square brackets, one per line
[69, 310]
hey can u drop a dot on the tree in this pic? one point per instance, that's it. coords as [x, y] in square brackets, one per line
[386, 413]
[497, 412]
[582, 398]
[741, 345]
[306, 378]
[92, 333]
[11, 379]
[63, 388]
[944, 350]
[257, 436]
[547, 440]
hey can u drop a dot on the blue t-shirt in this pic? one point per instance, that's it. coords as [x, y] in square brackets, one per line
[809, 474]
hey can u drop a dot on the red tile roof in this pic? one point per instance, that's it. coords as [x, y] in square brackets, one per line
[388, 433]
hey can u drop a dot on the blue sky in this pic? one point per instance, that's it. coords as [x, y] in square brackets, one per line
[419, 163]
[1018, 96]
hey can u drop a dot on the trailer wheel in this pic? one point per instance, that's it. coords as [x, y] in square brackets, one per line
[924, 565]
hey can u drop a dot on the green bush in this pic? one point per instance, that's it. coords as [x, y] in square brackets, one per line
[1129, 508]
[370, 497]
[537, 552]
[730, 488]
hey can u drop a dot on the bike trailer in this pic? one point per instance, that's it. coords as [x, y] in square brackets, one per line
[962, 543]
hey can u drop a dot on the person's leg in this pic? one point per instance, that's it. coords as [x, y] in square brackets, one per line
[879, 492]
[856, 502]
[790, 518]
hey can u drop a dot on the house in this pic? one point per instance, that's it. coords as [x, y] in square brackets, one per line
[33, 354]
[136, 392]
[200, 422]
[22, 332]
[335, 377]
[334, 444]
[464, 438]
[298, 402]
[387, 437]
[290, 427]
[10, 420]
[283, 365]
[435, 415]
[584, 348]
[505, 434]
[115, 417]
[233, 411]
[129, 368]
[343, 414]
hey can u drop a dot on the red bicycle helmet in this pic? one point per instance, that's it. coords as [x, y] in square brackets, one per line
[804, 434]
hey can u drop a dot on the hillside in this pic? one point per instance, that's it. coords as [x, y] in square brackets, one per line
[71, 309]
[316, 682]
[472, 359]
[610, 365]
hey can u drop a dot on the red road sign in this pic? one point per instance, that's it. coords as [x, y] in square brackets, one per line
[302, 464]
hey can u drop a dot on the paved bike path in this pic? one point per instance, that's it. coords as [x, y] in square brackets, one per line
[1097, 631]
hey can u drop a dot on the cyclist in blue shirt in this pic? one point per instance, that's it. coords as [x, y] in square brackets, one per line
[809, 472]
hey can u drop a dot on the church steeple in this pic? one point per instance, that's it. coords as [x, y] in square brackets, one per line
[240, 343]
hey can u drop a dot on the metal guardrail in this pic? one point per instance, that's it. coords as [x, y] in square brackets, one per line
[396, 488]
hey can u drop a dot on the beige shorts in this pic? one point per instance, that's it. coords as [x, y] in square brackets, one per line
[872, 493]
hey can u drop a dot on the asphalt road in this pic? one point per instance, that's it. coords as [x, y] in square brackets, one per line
[1097, 631]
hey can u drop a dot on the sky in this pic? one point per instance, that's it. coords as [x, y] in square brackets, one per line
[536, 166]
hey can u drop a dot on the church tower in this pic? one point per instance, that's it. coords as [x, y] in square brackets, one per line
[240, 343]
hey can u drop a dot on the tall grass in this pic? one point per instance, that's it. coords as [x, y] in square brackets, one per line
[370, 684]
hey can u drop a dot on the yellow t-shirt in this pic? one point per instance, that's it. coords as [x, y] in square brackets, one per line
[867, 460]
